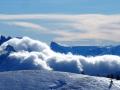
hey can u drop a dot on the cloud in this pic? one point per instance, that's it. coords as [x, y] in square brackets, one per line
[66, 27]
[28, 60]
[26, 44]
[38, 16]
[26, 25]
[33, 54]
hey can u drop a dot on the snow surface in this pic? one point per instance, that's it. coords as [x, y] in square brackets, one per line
[51, 80]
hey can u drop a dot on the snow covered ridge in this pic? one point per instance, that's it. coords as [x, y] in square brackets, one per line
[28, 54]
[50, 80]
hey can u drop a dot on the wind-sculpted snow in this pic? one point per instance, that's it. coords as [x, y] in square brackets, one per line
[51, 80]
[33, 54]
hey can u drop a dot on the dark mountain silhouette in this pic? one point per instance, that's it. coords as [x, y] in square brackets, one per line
[4, 39]
[86, 50]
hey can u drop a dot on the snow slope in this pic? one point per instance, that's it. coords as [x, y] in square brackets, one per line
[51, 80]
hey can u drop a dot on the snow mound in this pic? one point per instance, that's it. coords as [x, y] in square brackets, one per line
[50, 80]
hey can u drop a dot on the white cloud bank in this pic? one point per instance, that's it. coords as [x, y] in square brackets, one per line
[71, 27]
[33, 54]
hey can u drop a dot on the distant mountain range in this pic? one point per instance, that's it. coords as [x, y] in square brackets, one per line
[86, 50]
[79, 50]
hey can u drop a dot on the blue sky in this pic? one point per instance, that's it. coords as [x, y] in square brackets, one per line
[60, 6]
[84, 22]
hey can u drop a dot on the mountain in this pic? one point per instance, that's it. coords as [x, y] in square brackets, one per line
[4, 39]
[86, 50]
[78, 50]
[51, 80]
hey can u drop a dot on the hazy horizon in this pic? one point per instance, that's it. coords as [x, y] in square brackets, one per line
[71, 22]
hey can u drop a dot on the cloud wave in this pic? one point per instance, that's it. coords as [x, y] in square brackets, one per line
[33, 54]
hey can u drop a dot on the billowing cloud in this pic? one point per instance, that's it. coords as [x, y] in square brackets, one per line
[33, 54]
[26, 44]
[28, 60]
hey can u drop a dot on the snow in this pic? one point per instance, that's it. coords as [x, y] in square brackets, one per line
[51, 80]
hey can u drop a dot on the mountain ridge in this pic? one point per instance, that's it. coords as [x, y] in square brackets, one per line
[86, 50]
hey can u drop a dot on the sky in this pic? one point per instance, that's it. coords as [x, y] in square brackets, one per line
[72, 22]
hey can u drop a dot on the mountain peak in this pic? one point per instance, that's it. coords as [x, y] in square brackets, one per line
[4, 39]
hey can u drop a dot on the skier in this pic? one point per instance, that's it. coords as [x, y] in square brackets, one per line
[111, 83]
